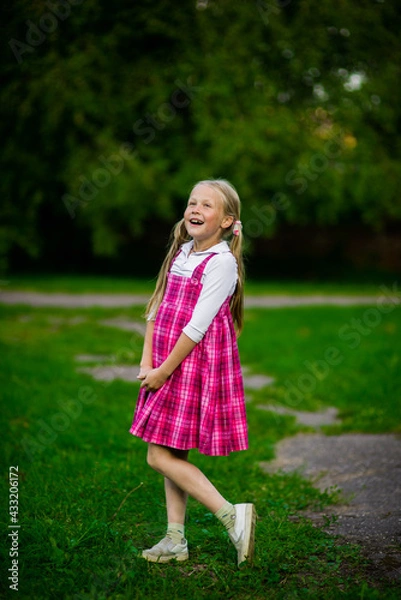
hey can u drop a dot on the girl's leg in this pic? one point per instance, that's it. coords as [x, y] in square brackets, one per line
[176, 498]
[182, 479]
[176, 501]
[174, 545]
[186, 477]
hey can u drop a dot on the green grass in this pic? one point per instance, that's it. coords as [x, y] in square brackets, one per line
[78, 284]
[306, 288]
[88, 502]
[125, 285]
[347, 357]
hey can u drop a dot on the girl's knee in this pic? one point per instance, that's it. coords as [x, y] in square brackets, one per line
[160, 458]
[155, 457]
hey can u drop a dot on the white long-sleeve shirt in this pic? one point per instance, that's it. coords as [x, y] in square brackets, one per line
[218, 282]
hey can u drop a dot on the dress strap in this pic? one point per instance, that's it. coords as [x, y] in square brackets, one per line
[174, 257]
[199, 270]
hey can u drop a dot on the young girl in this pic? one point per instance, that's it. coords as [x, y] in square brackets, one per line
[192, 393]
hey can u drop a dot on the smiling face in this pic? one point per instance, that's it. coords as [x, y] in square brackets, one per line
[204, 217]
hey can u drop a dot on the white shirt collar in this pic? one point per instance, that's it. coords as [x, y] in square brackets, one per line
[219, 248]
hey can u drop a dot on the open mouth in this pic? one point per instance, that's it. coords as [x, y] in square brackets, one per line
[196, 222]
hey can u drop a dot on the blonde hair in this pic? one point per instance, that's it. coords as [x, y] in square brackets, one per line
[179, 235]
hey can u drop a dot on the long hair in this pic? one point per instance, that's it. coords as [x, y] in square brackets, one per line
[179, 235]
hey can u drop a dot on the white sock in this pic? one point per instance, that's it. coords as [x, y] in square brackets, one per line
[176, 531]
[226, 515]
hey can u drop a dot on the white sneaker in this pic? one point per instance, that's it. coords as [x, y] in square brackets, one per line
[166, 550]
[243, 533]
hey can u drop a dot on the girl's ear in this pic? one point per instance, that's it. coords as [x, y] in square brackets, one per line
[227, 222]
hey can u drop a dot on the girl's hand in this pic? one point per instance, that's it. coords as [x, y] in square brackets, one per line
[143, 371]
[154, 379]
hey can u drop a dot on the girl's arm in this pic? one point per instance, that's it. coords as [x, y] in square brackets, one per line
[155, 378]
[219, 282]
[146, 363]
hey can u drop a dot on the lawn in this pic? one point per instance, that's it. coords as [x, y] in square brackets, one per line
[88, 503]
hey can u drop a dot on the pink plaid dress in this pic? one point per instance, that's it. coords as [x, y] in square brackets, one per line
[202, 404]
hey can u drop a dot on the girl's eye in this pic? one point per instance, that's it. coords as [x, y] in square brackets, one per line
[207, 205]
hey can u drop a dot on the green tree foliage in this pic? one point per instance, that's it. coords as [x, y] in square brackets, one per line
[112, 111]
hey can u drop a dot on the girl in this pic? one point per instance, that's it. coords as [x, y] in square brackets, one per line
[191, 392]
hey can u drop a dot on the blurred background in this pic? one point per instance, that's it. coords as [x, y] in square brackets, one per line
[113, 110]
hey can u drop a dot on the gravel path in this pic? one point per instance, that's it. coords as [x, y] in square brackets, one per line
[367, 470]
[73, 300]
[121, 300]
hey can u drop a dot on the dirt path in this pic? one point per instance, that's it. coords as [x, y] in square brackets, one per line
[367, 470]
[120, 300]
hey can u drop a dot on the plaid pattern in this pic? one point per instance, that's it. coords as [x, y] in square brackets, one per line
[202, 404]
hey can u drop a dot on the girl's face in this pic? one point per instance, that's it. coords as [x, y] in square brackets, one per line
[204, 216]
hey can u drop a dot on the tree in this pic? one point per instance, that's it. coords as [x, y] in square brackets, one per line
[111, 116]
